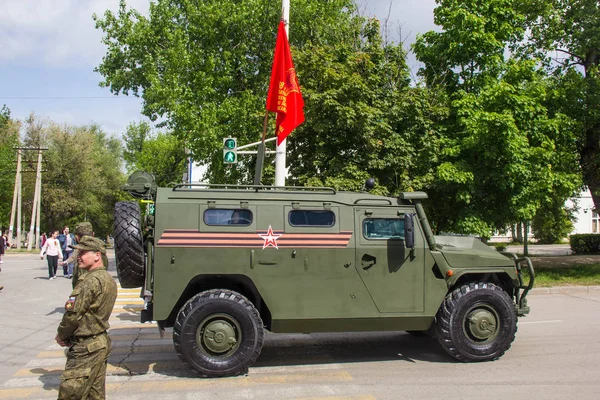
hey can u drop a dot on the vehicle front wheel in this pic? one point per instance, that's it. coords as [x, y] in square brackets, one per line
[476, 322]
[218, 333]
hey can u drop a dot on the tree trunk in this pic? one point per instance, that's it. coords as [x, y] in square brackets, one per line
[590, 162]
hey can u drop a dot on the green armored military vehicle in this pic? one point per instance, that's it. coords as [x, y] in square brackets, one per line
[220, 264]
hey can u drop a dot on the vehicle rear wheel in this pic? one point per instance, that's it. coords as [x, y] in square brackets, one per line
[218, 333]
[129, 245]
[476, 322]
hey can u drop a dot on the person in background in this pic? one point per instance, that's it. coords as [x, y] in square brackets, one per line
[61, 238]
[84, 326]
[2, 247]
[43, 239]
[53, 253]
[69, 240]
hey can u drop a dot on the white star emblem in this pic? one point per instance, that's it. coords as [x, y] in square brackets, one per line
[270, 238]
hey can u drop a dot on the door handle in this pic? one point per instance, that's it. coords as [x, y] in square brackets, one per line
[267, 262]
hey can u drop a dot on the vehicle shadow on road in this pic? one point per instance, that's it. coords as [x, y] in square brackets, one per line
[319, 349]
[327, 348]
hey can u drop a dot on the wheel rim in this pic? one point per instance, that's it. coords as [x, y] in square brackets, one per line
[219, 335]
[481, 323]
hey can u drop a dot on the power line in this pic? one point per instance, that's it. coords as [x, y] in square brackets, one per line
[64, 97]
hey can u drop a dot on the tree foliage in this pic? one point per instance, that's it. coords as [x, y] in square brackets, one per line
[203, 67]
[9, 139]
[566, 36]
[82, 175]
[353, 88]
[553, 223]
[470, 51]
[505, 154]
[485, 135]
[160, 154]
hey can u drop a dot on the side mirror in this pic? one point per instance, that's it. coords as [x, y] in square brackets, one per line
[409, 232]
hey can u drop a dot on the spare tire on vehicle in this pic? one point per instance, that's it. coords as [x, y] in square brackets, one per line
[129, 244]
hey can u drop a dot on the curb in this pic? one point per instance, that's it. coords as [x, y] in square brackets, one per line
[565, 290]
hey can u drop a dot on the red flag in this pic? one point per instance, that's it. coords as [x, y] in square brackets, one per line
[284, 96]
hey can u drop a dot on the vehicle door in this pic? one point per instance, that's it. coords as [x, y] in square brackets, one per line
[393, 274]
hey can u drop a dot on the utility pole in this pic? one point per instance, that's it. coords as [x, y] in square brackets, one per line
[39, 210]
[16, 194]
[34, 209]
[18, 200]
[19, 212]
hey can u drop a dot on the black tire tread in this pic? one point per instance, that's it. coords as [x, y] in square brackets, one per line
[129, 245]
[207, 296]
[444, 314]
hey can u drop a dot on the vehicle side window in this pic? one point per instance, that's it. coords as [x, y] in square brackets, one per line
[221, 216]
[383, 228]
[311, 218]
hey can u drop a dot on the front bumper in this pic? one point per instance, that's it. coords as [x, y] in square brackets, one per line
[523, 288]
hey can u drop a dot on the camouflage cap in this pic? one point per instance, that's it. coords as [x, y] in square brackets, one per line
[90, 243]
[83, 229]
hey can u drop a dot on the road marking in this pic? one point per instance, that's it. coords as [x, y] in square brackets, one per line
[47, 384]
[552, 321]
[142, 363]
[365, 397]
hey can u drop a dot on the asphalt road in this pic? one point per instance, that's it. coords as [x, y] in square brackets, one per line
[555, 354]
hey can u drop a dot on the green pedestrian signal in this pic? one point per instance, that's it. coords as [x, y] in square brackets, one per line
[230, 150]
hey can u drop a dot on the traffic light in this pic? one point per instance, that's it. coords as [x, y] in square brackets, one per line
[230, 150]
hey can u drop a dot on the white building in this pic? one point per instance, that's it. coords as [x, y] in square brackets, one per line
[587, 220]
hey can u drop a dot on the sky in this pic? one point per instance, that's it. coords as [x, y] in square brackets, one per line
[49, 49]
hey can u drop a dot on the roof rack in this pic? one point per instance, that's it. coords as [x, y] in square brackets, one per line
[256, 188]
[373, 201]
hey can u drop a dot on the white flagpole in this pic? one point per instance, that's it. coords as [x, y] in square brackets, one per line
[280, 168]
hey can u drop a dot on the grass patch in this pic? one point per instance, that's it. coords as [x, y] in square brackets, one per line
[577, 275]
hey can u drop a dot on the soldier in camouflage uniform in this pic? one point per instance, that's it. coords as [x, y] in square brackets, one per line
[82, 229]
[84, 324]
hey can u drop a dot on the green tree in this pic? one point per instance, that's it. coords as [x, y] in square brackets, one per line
[470, 51]
[82, 175]
[363, 119]
[552, 223]
[161, 154]
[203, 67]
[505, 154]
[565, 35]
[353, 89]
[9, 139]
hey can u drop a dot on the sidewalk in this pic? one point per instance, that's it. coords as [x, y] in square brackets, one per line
[542, 249]
[565, 290]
